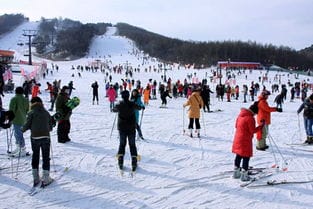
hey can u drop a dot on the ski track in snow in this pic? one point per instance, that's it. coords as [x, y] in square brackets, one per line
[176, 171]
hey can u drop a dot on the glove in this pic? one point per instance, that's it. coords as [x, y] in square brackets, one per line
[7, 125]
[143, 108]
[262, 122]
[279, 109]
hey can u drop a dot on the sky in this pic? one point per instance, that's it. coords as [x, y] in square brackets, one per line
[278, 22]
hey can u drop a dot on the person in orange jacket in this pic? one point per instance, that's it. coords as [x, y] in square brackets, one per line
[264, 114]
[35, 90]
[242, 144]
[146, 95]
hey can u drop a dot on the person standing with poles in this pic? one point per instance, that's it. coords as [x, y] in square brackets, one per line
[40, 123]
[307, 107]
[126, 125]
[19, 106]
[264, 116]
[95, 96]
[196, 103]
[136, 97]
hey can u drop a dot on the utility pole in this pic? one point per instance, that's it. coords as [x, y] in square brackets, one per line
[29, 34]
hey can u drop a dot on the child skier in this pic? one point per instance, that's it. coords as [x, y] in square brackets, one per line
[242, 144]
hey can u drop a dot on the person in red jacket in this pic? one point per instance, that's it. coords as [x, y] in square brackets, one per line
[264, 114]
[242, 144]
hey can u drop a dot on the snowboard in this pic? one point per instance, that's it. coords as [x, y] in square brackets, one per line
[71, 104]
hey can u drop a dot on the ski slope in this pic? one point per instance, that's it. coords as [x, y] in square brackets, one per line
[176, 171]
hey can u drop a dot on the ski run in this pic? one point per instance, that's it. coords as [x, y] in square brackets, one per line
[176, 171]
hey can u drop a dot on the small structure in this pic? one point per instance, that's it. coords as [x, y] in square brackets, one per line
[246, 65]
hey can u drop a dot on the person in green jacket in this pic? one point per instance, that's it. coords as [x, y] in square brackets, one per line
[64, 125]
[20, 106]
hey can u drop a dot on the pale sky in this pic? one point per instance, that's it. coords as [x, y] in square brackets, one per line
[279, 22]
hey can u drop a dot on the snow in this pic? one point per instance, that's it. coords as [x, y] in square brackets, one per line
[175, 171]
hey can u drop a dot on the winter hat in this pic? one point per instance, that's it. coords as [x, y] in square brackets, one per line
[265, 93]
[64, 88]
[35, 100]
[254, 108]
[125, 95]
[19, 90]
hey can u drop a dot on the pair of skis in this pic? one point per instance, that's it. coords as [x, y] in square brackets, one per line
[40, 186]
[279, 182]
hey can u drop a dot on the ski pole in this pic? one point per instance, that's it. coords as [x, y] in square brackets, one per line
[8, 148]
[281, 155]
[183, 120]
[52, 158]
[299, 128]
[18, 162]
[141, 118]
[203, 123]
[113, 126]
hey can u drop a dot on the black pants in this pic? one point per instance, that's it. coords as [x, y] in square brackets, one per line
[44, 145]
[64, 127]
[191, 120]
[245, 162]
[131, 136]
[138, 130]
[95, 97]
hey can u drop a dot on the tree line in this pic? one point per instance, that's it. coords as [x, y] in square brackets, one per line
[9, 21]
[208, 53]
[62, 38]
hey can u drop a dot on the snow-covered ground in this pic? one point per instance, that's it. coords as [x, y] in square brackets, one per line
[176, 171]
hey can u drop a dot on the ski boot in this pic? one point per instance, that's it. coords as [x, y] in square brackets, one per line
[46, 179]
[36, 177]
[134, 163]
[198, 133]
[237, 173]
[190, 132]
[245, 176]
[120, 161]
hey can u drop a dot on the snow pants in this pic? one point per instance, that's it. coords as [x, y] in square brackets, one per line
[131, 136]
[64, 127]
[262, 142]
[245, 162]
[44, 145]
[191, 121]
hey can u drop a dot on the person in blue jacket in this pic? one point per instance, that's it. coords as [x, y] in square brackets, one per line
[136, 97]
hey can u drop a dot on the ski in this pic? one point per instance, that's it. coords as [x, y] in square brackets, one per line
[299, 144]
[261, 176]
[276, 182]
[35, 188]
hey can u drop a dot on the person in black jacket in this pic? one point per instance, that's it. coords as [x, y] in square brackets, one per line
[6, 118]
[126, 125]
[95, 87]
[307, 107]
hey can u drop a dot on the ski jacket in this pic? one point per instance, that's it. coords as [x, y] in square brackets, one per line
[35, 91]
[264, 111]
[245, 128]
[126, 115]
[111, 94]
[307, 108]
[60, 106]
[138, 102]
[196, 103]
[20, 106]
[38, 121]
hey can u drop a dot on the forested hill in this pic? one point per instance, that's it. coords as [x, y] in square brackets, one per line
[9, 21]
[208, 53]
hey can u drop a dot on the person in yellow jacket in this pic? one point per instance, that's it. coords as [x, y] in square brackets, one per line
[196, 103]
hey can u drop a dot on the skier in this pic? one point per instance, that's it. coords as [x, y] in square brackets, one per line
[165, 94]
[264, 114]
[70, 87]
[196, 103]
[19, 106]
[126, 125]
[39, 122]
[136, 97]
[279, 100]
[64, 124]
[112, 96]
[307, 107]
[95, 87]
[242, 144]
